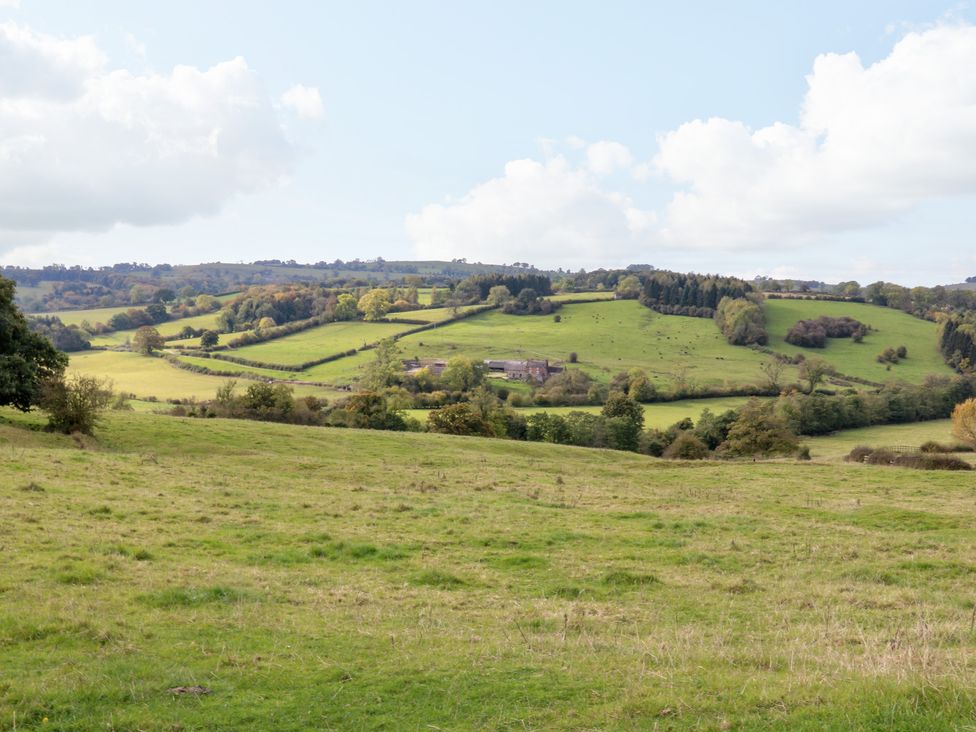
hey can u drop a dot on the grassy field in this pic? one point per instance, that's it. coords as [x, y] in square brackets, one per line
[227, 367]
[169, 328]
[659, 415]
[893, 328]
[837, 445]
[434, 315]
[102, 315]
[608, 337]
[461, 583]
[324, 340]
[563, 297]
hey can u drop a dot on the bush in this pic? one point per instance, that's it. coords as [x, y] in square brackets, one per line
[917, 461]
[686, 447]
[75, 404]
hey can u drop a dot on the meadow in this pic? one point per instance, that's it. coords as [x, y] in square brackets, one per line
[317, 578]
[169, 328]
[154, 377]
[892, 328]
[839, 444]
[324, 340]
[608, 337]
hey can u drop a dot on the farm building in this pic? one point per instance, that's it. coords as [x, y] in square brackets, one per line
[536, 370]
[435, 366]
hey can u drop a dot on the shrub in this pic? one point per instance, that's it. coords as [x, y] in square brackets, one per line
[686, 447]
[75, 404]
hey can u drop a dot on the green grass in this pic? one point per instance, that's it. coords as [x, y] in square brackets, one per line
[340, 579]
[893, 328]
[169, 328]
[838, 445]
[659, 415]
[608, 337]
[563, 297]
[154, 377]
[227, 367]
[434, 315]
[324, 340]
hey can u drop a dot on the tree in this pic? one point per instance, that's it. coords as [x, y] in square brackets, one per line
[346, 308]
[147, 339]
[75, 404]
[386, 365]
[27, 360]
[374, 304]
[964, 422]
[459, 419]
[625, 420]
[629, 287]
[773, 371]
[499, 295]
[621, 405]
[265, 323]
[759, 430]
[209, 338]
[814, 371]
[462, 374]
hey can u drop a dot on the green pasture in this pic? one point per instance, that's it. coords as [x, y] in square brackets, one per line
[893, 328]
[597, 295]
[324, 340]
[608, 337]
[839, 444]
[169, 328]
[313, 578]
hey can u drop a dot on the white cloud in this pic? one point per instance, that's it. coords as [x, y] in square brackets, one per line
[305, 101]
[137, 47]
[83, 147]
[36, 65]
[544, 213]
[9, 3]
[604, 157]
[871, 144]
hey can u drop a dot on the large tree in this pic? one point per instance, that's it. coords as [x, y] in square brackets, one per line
[27, 359]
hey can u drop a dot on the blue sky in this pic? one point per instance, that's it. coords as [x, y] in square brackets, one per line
[562, 134]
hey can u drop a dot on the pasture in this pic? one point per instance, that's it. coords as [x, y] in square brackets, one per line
[324, 340]
[893, 328]
[169, 328]
[839, 444]
[435, 582]
[608, 337]
[154, 377]
[432, 315]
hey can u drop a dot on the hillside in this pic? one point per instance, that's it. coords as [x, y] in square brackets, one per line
[337, 579]
[608, 337]
[892, 328]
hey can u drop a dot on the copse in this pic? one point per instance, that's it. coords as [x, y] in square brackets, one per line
[742, 321]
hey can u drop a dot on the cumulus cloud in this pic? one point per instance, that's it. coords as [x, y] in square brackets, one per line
[305, 101]
[871, 143]
[84, 147]
[606, 157]
[537, 211]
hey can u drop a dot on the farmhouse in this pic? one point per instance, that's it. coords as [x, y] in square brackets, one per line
[536, 370]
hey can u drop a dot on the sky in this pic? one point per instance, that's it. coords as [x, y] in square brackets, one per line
[828, 140]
